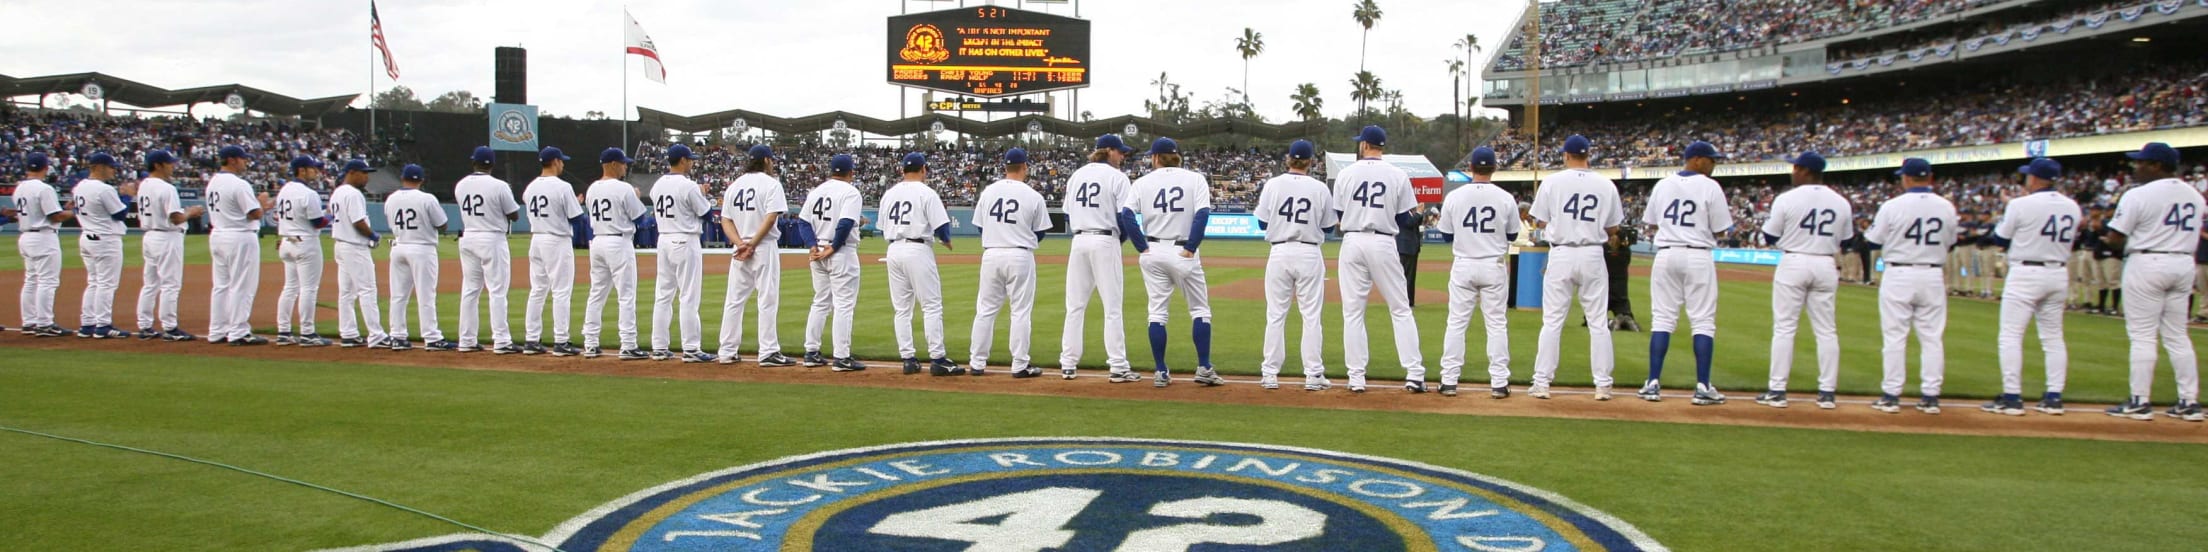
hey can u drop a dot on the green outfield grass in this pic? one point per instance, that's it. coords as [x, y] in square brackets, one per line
[521, 452]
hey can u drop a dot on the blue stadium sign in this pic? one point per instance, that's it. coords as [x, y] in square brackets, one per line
[513, 127]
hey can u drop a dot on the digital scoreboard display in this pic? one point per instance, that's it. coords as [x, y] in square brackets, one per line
[988, 51]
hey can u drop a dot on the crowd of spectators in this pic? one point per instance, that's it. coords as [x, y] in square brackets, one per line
[71, 137]
[1582, 32]
[2012, 25]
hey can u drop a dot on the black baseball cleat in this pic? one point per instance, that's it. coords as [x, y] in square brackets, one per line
[590, 352]
[401, 344]
[813, 359]
[1928, 405]
[532, 348]
[310, 340]
[633, 354]
[912, 366]
[441, 346]
[1448, 390]
[944, 367]
[776, 360]
[563, 350]
[284, 338]
[2137, 408]
[143, 333]
[1028, 372]
[507, 349]
[846, 364]
[350, 342]
[2051, 404]
[249, 340]
[1415, 387]
[1498, 392]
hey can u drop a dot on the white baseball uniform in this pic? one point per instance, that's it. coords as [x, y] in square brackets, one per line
[1011, 217]
[1370, 193]
[1579, 207]
[680, 206]
[415, 218]
[2042, 229]
[550, 202]
[234, 213]
[1688, 210]
[836, 276]
[162, 250]
[1481, 219]
[1097, 191]
[1167, 200]
[614, 207]
[748, 203]
[298, 213]
[100, 245]
[1915, 230]
[356, 267]
[40, 247]
[1810, 220]
[487, 211]
[1296, 210]
[910, 212]
[2161, 223]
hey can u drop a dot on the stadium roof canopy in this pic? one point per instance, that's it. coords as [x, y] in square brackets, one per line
[987, 129]
[145, 95]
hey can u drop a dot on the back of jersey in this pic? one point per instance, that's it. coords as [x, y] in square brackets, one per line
[911, 211]
[1915, 228]
[829, 203]
[2041, 227]
[1094, 196]
[1810, 219]
[1009, 214]
[1296, 208]
[36, 201]
[1370, 193]
[1481, 217]
[1579, 206]
[414, 216]
[613, 207]
[230, 202]
[2163, 216]
[485, 202]
[1168, 199]
[298, 207]
[679, 205]
[748, 201]
[1688, 210]
[549, 202]
[157, 200]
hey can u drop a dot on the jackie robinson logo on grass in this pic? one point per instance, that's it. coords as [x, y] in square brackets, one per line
[1004, 495]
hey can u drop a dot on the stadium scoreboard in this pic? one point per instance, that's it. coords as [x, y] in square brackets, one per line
[988, 51]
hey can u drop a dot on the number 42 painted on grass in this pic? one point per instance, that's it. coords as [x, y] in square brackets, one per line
[1035, 520]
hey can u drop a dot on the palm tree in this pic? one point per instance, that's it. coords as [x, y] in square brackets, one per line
[1364, 88]
[1367, 13]
[1308, 103]
[1470, 43]
[1456, 69]
[1250, 45]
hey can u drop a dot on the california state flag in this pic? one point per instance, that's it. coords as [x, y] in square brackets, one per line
[640, 44]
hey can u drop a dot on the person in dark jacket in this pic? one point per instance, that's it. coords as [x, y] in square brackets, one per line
[1407, 243]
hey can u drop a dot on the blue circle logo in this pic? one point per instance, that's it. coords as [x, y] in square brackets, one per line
[1080, 494]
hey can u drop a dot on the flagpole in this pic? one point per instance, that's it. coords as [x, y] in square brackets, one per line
[371, 78]
[624, 116]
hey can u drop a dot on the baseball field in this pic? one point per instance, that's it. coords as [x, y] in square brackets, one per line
[516, 445]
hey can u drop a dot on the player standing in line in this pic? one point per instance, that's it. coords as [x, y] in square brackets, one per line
[100, 244]
[2040, 229]
[1296, 212]
[1479, 220]
[1688, 210]
[487, 213]
[751, 211]
[834, 204]
[235, 216]
[1174, 203]
[911, 211]
[1915, 229]
[680, 204]
[1012, 218]
[162, 215]
[554, 214]
[1579, 212]
[356, 260]
[1808, 223]
[1093, 210]
[1376, 203]
[416, 222]
[2158, 225]
[299, 221]
[615, 210]
[40, 246]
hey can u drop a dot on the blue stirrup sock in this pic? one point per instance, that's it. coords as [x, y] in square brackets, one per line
[1202, 334]
[1157, 344]
[1658, 344]
[1704, 348]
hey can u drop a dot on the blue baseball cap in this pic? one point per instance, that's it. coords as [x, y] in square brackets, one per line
[413, 172]
[159, 156]
[1112, 141]
[1302, 149]
[305, 162]
[2157, 152]
[1915, 166]
[1702, 149]
[550, 154]
[1483, 156]
[1576, 145]
[36, 161]
[233, 152]
[1373, 134]
[1809, 160]
[761, 151]
[483, 155]
[1164, 145]
[1015, 156]
[679, 151]
[915, 161]
[358, 165]
[842, 163]
[102, 158]
[2042, 167]
[614, 155]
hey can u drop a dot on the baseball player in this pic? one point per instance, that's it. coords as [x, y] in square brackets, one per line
[2040, 229]
[1174, 204]
[300, 218]
[834, 204]
[911, 211]
[487, 212]
[235, 216]
[554, 212]
[41, 214]
[751, 211]
[1376, 202]
[1296, 212]
[1479, 220]
[1958, 268]
[2158, 224]
[680, 204]
[1688, 210]
[161, 214]
[1915, 229]
[1807, 223]
[356, 260]
[1578, 211]
[1093, 211]
[1989, 256]
[100, 212]
[1012, 219]
[615, 210]
[416, 221]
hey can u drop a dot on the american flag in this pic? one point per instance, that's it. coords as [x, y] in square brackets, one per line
[375, 36]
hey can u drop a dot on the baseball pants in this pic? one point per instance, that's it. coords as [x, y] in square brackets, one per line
[1007, 274]
[1369, 261]
[680, 267]
[1481, 284]
[1094, 266]
[612, 272]
[162, 279]
[1807, 281]
[1683, 276]
[2033, 293]
[1574, 272]
[758, 279]
[1913, 297]
[356, 291]
[103, 273]
[1958, 269]
[414, 277]
[302, 258]
[2109, 273]
[551, 277]
[1295, 273]
[237, 276]
[2155, 289]
[835, 286]
[41, 276]
[1993, 264]
[2081, 277]
[913, 281]
[485, 266]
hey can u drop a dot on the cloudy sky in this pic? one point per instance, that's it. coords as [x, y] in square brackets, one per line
[790, 57]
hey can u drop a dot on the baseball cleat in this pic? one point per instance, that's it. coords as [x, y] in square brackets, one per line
[401, 344]
[84, 332]
[692, 357]
[1773, 399]
[1209, 378]
[1268, 382]
[350, 342]
[2137, 408]
[1538, 391]
[944, 367]
[588, 352]
[1887, 403]
[1414, 387]
[108, 332]
[440, 346]
[1602, 392]
[563, 350]
[284, 338]
[1501, 392]
[2006, 405]
[1448, 390]
[846, 364]
[1125, 376]
[662, 355]
[177, 335]
[532, 348]
[813, 359]
[1704, 395]
[51, 330]
[1317, 384]
[249, 340]
[1028, 372]
[2187, 410]
[310, 340]
[1359, 389]
[730, 358]
[1928, 405]
[1828, 400]
[468, 347]
[2050, 404]
[1164, 379]
[148, 333]
[633, 354]
[775, 360]
[1651, 391]
[912, 366]
[976, 371]
[1067, 373]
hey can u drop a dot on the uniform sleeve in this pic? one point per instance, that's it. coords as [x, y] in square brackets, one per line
[349, 208]
[1131, 201]
[850, 207]
[633, 206]
[1202, 194]
[1616, 215]
[437, 216]
[981, 209]
[1407, 198]
[1452, 215]
[936, 215]
[1265, 210]
[1775, 224]
[1949, 231]
[778, 200]
[1512, 225]
[699, 204]
[1541, 203]
[1038, 217]
[1721, 215]
[315, 208]
[1329, 212]
[2125, 218]
[506, 202]
[1652, 213]
[2006, 228]
[1846, 222]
